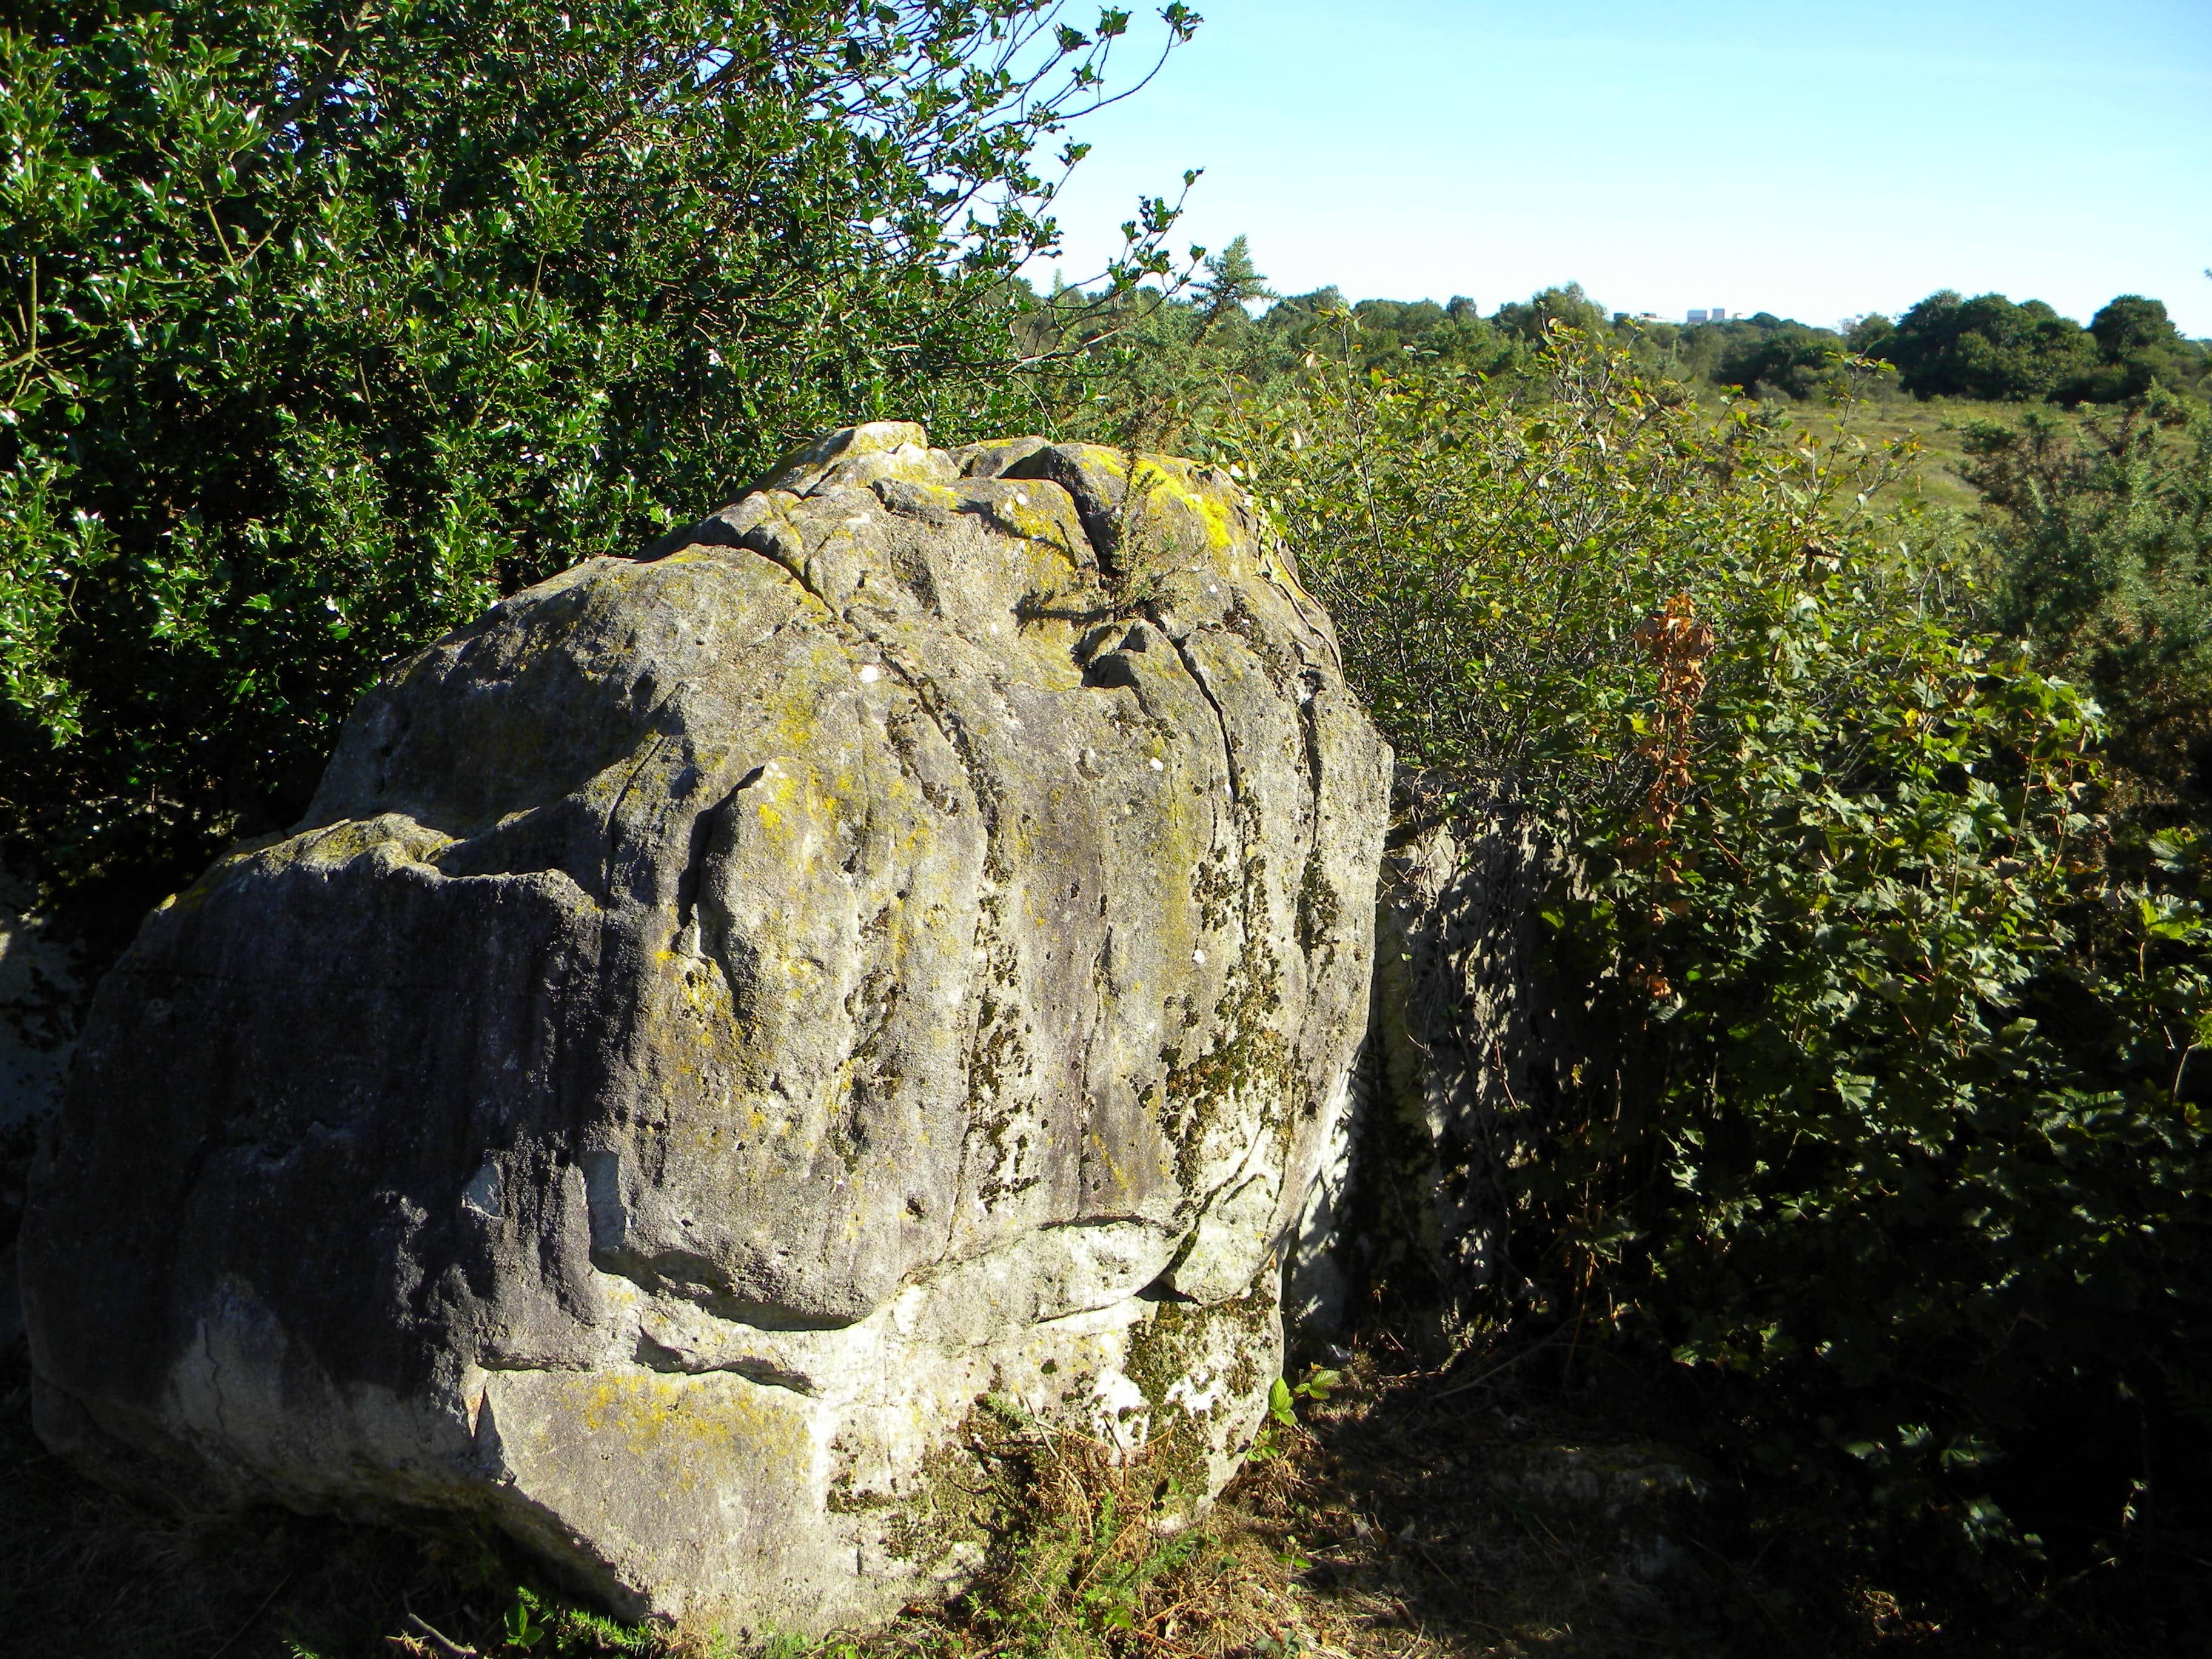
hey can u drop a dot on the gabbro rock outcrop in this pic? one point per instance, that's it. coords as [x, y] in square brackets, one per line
[899, 943]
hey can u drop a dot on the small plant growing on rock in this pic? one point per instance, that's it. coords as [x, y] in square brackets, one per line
[1284, 1395]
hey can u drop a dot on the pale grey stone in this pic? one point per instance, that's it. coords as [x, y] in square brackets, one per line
[727, 1014]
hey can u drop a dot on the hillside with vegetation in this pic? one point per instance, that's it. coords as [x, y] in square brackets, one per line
[1859, 1256]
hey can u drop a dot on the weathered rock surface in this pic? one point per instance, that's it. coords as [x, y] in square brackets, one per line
[901, 941]
[1472, 1034]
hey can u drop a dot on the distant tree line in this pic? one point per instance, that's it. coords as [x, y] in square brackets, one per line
[1987, 348]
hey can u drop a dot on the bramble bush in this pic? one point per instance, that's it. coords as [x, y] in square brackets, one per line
[1890, 1130]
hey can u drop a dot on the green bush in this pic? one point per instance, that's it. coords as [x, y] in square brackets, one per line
[2100, 549]
[1987, 347]
[325, 324]
[1494, 549]
[1793, 359]
[2140, 348]
[1890, 1132]
[1912, 1155]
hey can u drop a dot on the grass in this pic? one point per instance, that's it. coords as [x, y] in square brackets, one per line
[1939, 424]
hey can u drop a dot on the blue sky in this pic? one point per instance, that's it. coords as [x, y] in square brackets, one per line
[1814, 161]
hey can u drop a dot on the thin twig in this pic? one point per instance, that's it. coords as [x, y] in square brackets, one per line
[1476, 1381]
[1743, 1583]
[252, 1617]
[438, 1639]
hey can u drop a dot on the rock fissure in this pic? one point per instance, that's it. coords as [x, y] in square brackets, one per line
[704, 829]
[609, 826]
[655, 1356]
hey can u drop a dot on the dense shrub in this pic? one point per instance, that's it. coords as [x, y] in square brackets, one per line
[1790, 360]
[1916, 1157]
[1891, 1132]
[2139, 347]
[325, 324]
[1988, 348]
[2100, 545]
[1494, 550]
[1950, 347]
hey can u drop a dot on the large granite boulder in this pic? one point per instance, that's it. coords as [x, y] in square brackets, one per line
[897, 945]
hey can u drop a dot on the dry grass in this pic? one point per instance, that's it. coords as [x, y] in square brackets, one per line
[1096, 1552]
